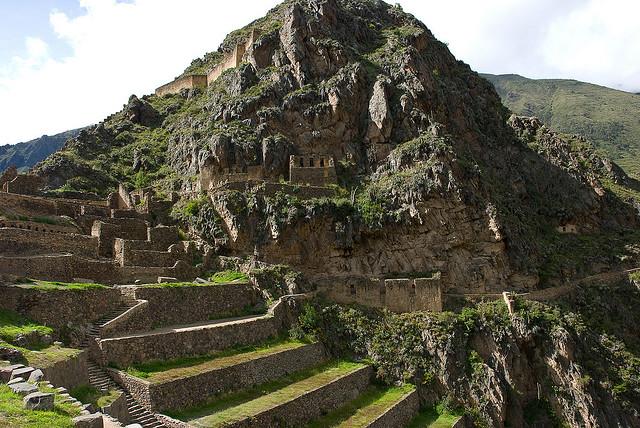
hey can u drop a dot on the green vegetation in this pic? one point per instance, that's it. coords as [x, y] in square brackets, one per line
[605, 116]
[433, 418]
[13, 326]
[89, 394]
[361, 411]
[14, 415]
[160, 371]
[635, 276]
[199, 216]
[229, 407]
[62, 286]
[228, 276]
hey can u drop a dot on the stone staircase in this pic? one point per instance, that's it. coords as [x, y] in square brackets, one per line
[100, 380]
[139, 415]
[94, 331]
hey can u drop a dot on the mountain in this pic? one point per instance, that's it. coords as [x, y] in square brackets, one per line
[25, 155]
[607, 117]
[342, 139]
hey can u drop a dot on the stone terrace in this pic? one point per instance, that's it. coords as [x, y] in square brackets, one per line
[103, 241]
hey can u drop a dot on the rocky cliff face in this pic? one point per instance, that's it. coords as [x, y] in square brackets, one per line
[440, 181]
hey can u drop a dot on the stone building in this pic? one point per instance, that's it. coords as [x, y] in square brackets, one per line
[313, 169]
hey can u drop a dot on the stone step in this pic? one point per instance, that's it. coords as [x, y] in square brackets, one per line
[298, 403]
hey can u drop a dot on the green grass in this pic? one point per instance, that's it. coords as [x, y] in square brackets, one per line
[13, 325]
[88, 394]
[607, 117]
[229, 276]
[62, 286]
[226, 277]
[430, 418]
[635, 276]
[365, 408]
[12, 413]
[159, 371]
[234, 406]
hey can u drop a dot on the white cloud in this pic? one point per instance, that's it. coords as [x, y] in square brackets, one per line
[123, 48]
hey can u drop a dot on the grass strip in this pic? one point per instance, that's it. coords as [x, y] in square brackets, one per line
[363, 410]
[181, 367]
[430, 418]
[222, 361]
[233, 406]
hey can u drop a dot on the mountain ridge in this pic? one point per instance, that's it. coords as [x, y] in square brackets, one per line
[606, 116]
[26, 154]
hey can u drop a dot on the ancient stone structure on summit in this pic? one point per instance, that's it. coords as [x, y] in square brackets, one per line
[201, 81]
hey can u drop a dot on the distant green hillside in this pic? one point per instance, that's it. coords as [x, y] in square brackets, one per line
[26, 155]
[607, 117]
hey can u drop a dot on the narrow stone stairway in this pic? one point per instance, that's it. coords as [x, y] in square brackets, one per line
[100, 380]
[94, 330]
[139, 415]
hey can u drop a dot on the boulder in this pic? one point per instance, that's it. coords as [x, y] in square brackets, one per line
[10, 354]
[23, 372]
[23, 388]
[38, 401]
[5, 372]
[36, 376]
[88, 421]
[16, 380]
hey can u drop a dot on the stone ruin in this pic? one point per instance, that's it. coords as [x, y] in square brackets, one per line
[117, 240]
[202, 81]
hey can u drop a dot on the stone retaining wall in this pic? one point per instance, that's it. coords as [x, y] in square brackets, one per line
[174, 343]
[70, 373]
[60, 308]
[168, 306]
[185, 82]
[194, 390]
[313, 404]
[69, 268]
[397, 295]
[118, 409]
[400, 414]
[38, 226]
[27, 242]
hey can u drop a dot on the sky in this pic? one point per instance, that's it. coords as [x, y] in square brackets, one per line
[70, 63]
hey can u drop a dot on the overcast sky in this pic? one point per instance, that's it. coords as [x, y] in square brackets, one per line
[70, 63]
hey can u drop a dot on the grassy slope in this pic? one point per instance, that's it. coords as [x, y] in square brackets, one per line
[607, 117]
[13, 414]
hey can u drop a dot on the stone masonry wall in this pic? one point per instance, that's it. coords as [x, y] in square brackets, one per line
[29, 242]
[191, 341]
[197, 389]
[397, 295]
[313, 404]
[70, 268]
[186, 82]
[400, 414]
[24, 184]
[60, 308]
[316, 170]
[39, 206]
[38, 226]
[184, 305]
[69, 373]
